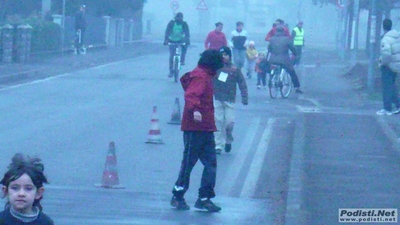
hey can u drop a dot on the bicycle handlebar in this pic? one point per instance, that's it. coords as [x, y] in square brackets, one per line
[177, 44]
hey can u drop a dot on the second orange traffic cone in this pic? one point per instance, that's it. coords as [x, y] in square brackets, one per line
[154, 136]
[176, 114]
[110, 174]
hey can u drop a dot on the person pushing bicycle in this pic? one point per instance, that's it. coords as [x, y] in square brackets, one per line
[177, 32]
[278, 50]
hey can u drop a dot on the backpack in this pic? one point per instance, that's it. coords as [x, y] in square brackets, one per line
[185, 80]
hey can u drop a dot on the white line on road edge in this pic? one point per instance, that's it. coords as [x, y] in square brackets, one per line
[238, 162]
[314, 101]
[66, 74]
[256, 165]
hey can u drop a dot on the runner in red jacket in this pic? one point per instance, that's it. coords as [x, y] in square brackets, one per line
[216, 38]
[198, 126]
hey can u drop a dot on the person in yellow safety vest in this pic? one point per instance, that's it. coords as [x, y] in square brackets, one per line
[298, 41]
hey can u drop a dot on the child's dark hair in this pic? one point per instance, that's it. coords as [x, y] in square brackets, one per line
[20, 165]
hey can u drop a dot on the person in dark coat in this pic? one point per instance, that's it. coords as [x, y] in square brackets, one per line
[80, 28]
[278, 48]
[198, 126]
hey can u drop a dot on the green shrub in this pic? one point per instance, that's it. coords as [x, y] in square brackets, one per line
[46, 35]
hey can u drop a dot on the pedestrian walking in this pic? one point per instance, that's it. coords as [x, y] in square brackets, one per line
[262, 68]
[224, 100]
[298, 41]
[251, 57]
[239, 42]
[278, 49]
[80, 28]
[389, 63]
[177, 31]
[216, 38]
[23, 188]
[198, 126]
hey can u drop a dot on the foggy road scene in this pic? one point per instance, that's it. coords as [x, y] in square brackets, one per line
[102, 105]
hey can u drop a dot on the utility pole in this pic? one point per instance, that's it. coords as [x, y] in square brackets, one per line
[354, 36]
[63, 27]
[372, 42]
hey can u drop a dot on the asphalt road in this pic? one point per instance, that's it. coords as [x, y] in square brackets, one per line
[294, 161]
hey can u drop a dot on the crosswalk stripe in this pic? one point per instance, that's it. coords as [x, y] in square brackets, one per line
[256, 164]
[238, 162]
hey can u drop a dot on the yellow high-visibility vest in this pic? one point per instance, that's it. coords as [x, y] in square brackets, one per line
[299, 38]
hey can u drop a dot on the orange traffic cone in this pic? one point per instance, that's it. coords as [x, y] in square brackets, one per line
[155, 132]
[176, 114]
[110, 174]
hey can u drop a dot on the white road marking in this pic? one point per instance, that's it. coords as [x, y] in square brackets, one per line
[256, 165]
[314, 101]
[238, 162]
[308, 109]
[66, 74]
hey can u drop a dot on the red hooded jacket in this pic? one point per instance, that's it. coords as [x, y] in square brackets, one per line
[199, 92]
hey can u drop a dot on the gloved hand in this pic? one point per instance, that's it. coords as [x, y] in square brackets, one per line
[245, 101]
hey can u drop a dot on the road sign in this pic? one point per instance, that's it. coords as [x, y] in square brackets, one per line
[174, 5]
[202, 6]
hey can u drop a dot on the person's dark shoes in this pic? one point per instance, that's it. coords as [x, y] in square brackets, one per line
[170, 74]
[299, 91]
[207, 204]
[218, 151]
[182, 63]
[228, 147]
[179, 203]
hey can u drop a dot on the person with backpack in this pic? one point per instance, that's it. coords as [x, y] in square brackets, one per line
[177, 32]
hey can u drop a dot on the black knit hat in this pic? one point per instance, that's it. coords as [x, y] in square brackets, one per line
[227, 51]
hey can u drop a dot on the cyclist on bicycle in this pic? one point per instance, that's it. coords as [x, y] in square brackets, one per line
[177, 32]
[278, 49]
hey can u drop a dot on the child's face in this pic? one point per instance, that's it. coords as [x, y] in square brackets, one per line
[22, 193]
[226, 57]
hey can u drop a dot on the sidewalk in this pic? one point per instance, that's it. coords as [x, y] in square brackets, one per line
[43, 66]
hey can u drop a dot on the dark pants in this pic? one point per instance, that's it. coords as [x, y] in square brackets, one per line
[79, 40]
[261, 78]
[299, 49]
[389, 89]
[172, 50]
[198, 145]
[295, 79]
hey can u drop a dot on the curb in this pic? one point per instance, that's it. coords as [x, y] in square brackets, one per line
[389, 133]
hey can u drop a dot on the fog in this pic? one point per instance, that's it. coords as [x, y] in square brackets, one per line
[320, 23]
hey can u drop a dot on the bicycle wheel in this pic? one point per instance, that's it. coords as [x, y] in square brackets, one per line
[286, 82]
[176, 69]
[273, 86]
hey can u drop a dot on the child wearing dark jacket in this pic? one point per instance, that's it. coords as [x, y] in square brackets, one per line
[262, 68]
[23, 188]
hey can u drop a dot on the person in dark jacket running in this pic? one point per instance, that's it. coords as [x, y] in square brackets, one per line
[278, 48]
[23, 187]
[198, 126]
[224, 100]
[177, 32]
[80, 28]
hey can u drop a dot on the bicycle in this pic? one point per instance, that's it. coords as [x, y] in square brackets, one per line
[279, 81]
[176, 60]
